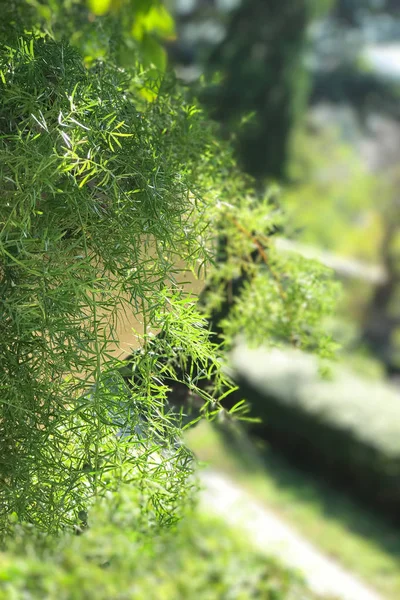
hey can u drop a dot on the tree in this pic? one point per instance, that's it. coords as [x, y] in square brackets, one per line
[263, 83]
[110, 179]
[261, 65]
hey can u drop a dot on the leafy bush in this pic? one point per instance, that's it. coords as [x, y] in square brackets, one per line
[115, 558]
[115, 193]
[99, 201]
[346, 427]
[112, 197]
[104, 194]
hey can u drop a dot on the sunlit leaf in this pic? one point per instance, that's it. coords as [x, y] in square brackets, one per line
[100, 7]
[153, 53]
[155, 20]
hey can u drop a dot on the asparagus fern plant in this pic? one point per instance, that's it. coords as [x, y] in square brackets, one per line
[105, 193]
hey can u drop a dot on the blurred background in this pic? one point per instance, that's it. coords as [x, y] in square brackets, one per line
[309, 92]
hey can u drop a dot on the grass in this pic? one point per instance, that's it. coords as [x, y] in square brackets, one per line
[358, 539]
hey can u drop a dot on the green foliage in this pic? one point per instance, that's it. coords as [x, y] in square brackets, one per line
[345, 426]
[104, 197]
[99, 200]
[130, 29]
[331, 198]
[200, 559]
[295, 293]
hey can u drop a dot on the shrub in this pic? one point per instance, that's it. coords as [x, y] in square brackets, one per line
[198, 559]
[346, 427]
[113, 183]
[103, 193]
[99, 199]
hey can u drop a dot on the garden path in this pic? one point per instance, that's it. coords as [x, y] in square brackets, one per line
[270, 534]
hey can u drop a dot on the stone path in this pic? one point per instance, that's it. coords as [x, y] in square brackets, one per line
[268, 533]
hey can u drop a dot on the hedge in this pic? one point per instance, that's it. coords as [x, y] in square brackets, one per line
[346, 427]
[114, 559]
